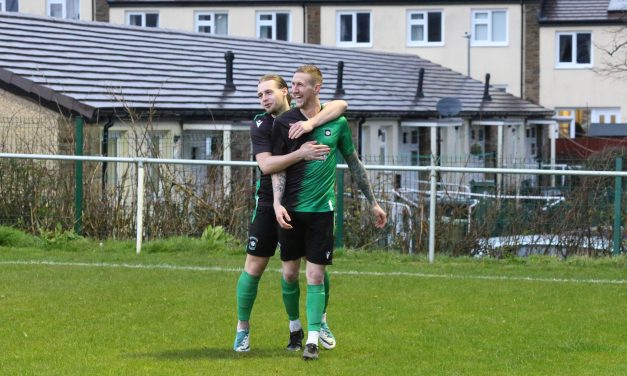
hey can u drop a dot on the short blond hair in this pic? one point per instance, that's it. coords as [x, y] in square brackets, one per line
[313, 71]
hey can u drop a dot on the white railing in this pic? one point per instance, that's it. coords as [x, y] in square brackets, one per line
[432, 169]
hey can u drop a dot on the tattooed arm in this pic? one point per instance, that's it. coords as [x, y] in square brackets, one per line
[278, 187]
[359, 174]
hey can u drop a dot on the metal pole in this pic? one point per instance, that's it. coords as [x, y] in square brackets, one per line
[226, 176]
[618, 197]
[553, 130]
[432, 198]
[499, 158]
[467, 35]
[140, 206]
[78, 176]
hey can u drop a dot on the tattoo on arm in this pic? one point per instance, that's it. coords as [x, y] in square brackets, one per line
[278, 186]
[359, 174]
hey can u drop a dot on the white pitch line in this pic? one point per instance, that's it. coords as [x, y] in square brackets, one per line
[336, 272]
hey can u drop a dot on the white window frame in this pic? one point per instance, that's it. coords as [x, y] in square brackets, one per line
[573, 64]
[339, 28]
[115, 170]
[425, 23]
[488, 22]
[566, 118]
[198, 23]
[63, 4]
[2, 5]
[607, 113]
[143, 15]
[272, 23]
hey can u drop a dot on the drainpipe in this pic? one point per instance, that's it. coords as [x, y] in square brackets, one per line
[304, 23]
[419, 92]
[486, 88]
[79, 123]
[229, 56]
[522, 49]
[105, 150]
[339, 88]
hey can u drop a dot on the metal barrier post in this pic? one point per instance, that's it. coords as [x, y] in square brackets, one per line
[78, 175]
[618, 197]
[140, 206]
[432, 196]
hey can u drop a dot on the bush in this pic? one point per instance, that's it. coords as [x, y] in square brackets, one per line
[10, 237]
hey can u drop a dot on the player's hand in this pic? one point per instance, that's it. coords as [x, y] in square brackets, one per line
[299, 128]
[282, 217]
[380, 218]
[311, 151]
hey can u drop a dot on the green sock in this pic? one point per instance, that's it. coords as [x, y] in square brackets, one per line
[291, 298]
[327, 287]
[315, 306]
[246, 293]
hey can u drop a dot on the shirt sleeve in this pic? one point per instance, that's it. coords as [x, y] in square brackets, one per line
[260, 136]
[345, 142]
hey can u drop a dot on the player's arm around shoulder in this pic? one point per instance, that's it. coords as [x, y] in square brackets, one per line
[279, 159]
[330, 111]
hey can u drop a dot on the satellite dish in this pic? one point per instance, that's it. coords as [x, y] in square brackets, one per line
[448, 107]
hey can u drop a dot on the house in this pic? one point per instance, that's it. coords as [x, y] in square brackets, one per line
[158, 92]
[513, 41]
[472, 37]
[576, 78]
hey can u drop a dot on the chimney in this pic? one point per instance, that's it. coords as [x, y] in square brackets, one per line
[486, 88]
[229, 57]
[339, 90]
[421, 76]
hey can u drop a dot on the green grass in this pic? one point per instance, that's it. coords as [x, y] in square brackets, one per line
[83, 313]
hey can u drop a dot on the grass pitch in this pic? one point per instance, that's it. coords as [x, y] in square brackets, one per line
[102, 310]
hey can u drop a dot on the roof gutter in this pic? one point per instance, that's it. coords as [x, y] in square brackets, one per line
[52, 99]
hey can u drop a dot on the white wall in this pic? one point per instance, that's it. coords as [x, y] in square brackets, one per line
[502, 62]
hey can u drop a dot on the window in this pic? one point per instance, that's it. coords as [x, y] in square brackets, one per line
[146, 19]
[489, 28]
[414, 137]
[424, 28]
[156, 141]
[212, 23]
[63, 9]
[574, 50]
[113, 150]
[605, 115]
[571, 122]
[274, 26]
[9, 6]
[354, 29]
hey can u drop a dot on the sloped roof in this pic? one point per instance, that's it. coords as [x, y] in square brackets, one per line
[607, 130]
[580, 11]
[97, 68]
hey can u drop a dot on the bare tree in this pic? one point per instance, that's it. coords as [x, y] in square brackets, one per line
[614, 57]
